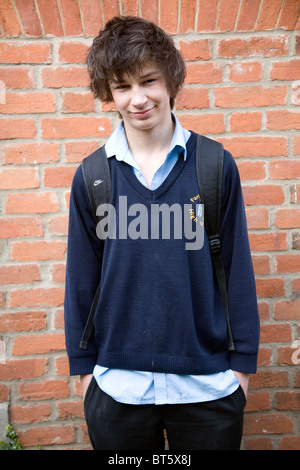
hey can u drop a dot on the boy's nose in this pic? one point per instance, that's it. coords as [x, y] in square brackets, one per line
[139, 98]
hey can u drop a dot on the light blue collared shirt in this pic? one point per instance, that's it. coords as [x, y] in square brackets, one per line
[139, 387]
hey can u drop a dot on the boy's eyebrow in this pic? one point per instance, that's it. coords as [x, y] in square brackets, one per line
[148, 74]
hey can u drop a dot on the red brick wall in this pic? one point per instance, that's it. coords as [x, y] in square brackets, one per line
[242, 88]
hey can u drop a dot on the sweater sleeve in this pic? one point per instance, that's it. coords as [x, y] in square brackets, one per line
[243, 310]
[84, 257]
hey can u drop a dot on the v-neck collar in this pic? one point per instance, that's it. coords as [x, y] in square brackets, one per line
[155, 194]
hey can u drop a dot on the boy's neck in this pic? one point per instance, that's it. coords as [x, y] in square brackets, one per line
[150, 141]
[149, 147]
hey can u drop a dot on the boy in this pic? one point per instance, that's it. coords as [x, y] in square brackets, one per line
[158, 357]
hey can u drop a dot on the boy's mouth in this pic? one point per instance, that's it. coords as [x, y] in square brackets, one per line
[143, 113]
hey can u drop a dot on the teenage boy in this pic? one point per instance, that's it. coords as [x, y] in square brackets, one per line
[158, 357]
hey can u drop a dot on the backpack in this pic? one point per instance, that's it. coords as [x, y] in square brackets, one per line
[209, 169]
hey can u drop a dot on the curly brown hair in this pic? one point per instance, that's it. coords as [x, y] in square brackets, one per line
[124, 46]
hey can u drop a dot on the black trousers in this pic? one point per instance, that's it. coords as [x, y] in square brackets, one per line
[211, 425]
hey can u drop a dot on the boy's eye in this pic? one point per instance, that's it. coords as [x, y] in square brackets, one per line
[122, 87]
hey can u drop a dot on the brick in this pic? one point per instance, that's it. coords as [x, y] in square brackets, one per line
[29, 18]
[251, 170]
[250, 96]
[289, 14]
[192, 98]
[245, 72]
[271, 424]
[59, 176]
[257, 218]
[227, 15]
[258, 401]
[92, 23]
[110, 8]
[289, 70]
[187, 17]
[78, 103]
[207, 15]
[76, 151]
[268, 15]
[22, 274]
[23, 369]
[272, 241]
[49, 435]
[23, 321]
[58, 273]
[269, 378]
[38, 297]
[295, 193]
[263, 195]
[195, 50]
[62, 366]
[50, 17]
[270, 287]
[261, 264]
[210, 72]
[73, 52]
[283, 120]
[287, 218]
[14, 227]
[169, 16]
[32, 153]
[287, 310]
[71, 17]
[256, 146]
[257, 443]
[38, 344]
[149, 11]
[8, 19]
[296, 241]
[245, 122]
[45, 390]
[275, 333]
[22, 79]
[38, 250]
[59, 225]
[31, 203]
[284, 170]
[17, 128]
[73, 409]
[75, 127]
[19, 52]
[65, 76]
[22, 103]
[286, 400]
[290, 443]
[260, 46]
[288, 263]
[285, 356]
[248, 15]
[29, 414]
[296, 145]
[204, 124]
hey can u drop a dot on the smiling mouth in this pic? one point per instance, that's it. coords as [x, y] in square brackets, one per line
[144, 113]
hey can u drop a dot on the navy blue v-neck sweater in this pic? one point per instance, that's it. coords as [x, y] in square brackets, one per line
[160, 309]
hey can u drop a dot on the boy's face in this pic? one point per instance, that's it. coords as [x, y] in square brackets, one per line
[142, 99]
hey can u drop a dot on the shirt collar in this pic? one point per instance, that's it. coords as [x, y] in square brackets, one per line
[117, 145]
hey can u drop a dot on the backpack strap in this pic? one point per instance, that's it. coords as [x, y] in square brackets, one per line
[209, 168]
[96, 175]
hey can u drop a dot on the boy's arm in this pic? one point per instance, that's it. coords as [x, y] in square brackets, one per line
[243, 310]
[83, 270]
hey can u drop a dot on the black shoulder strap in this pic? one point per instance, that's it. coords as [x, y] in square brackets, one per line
[97, 180]
[209, 167]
